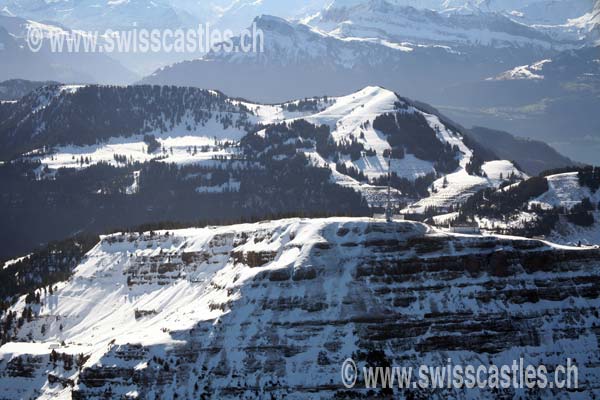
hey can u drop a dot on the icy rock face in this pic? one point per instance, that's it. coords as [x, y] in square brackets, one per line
[275, 308]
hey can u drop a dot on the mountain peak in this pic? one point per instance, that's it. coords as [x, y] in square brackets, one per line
[274, 24]
[375, 89]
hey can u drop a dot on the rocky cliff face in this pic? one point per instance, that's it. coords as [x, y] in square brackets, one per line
[273, 309]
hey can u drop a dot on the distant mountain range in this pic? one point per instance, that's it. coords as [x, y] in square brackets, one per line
[321, 63]
[497, 23]
[454, 27]
[236, 14]
[18, 62]
[100, 15]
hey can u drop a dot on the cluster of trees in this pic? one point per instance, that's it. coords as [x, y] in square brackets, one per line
[120, 158]
[474, 166]
[590, 177]
[543, 226]
[181, 180]
[396, 153]
[411, 133]
[581, 214]
[350, 171]
[415, 189]
[153, 144]
[68, 360]
[351, 148]
[11, 322]
[278, 139]
[286, 138]
[496, 203]
[293, 185]
[85, 160]
[306, 105]
[42, 269]
[93, 114]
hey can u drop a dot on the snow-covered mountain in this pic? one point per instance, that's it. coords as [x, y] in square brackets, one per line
[575, 65]
[539, 12]
[53, 115]
[444, 55]
[108, 14]
[18, 62]
[101, 15]
[546, 12]
[398, 24]
[274, 308]
[223, 147]
[302, 61]
[360, 131]
[236, 14]
[288, 43]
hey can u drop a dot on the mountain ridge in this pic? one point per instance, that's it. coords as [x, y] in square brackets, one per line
[399, 24]
[216, 309]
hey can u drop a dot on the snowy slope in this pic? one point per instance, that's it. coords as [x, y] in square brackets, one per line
[176, 147]
[455, 188]
[564, 194]
[227, 311]
[565, 191]
[524, 72]
[351, 117]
